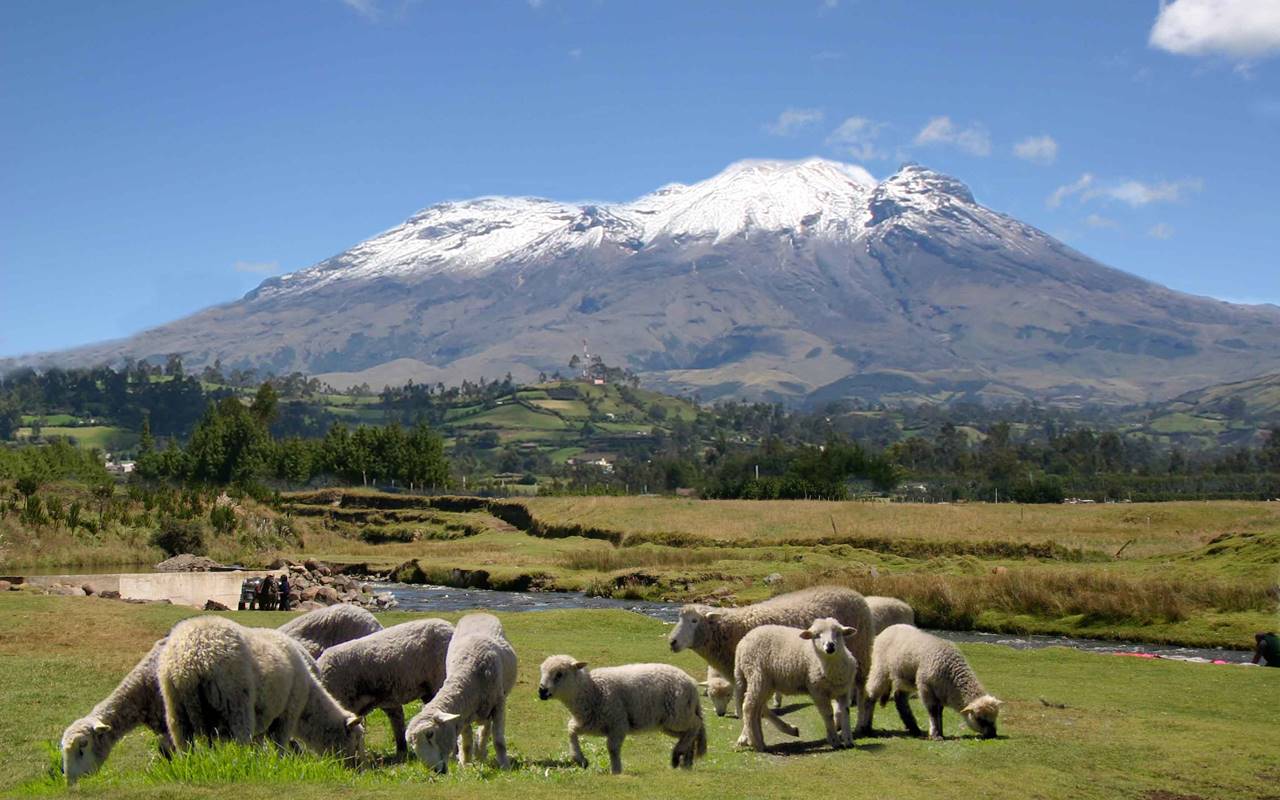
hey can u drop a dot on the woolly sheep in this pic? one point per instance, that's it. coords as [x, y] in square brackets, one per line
[615, 701]
[480, 671]
[87, 742]
[719, 690]
[323, 628]
[906, 659]
[813, 661]
[387, 669]
[222, 680]
[886, 611]
[714, 633]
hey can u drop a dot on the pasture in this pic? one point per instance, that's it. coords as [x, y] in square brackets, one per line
[1075, 725]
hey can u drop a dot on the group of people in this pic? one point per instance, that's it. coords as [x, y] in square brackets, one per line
[270, 594]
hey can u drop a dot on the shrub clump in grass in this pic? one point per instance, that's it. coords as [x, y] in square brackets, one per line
[175, 536]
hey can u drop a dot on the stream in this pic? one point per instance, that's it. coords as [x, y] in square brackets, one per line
[442, 598]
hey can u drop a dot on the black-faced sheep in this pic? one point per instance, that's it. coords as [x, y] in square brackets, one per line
[812, 661]
[88, 741]
[480, 671]
[615, 701]
[906, 659]
[221, 680]
[715, 633]
[387, 669]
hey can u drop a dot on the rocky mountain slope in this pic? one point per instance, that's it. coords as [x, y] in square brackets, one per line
[775, 280]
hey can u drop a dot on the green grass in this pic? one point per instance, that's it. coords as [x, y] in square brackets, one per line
[102, 437]
[1074, 725]
[512, 415]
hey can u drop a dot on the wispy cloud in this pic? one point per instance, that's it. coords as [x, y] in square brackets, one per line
[1160, 231]
[972, 139]
[856, 137]
[257, 267]
[575, 53]
[366, 8]
[794, 120]
[1130, 192]
[536, 3]
[1099, 221]
[1238, 29]
[1037, 149]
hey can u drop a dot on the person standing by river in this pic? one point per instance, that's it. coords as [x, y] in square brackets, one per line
[1267, 649]
[284, 592]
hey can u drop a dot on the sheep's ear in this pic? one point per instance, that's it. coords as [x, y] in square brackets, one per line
[579, 664]
[445, 716]
[703, 684]
[806, 634]
[100, 727]
[713, 614]
[850, 631]
[352, 722]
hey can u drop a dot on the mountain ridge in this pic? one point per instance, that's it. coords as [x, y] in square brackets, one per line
[772, 280]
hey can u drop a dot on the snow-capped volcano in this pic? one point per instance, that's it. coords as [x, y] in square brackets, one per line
[774, 279]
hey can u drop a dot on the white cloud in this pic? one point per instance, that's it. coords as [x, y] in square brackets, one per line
[365, 8]
[259, 267]
[1037, 149]
[856, 137]
[1130, 192]
[575, 53]
[973, 139]
[1240, 29]
[1099, 221]
[1075, 187]
[1160, 231]
[535, 3]
[793, 120]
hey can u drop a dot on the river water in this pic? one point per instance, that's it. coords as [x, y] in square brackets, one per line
[443, 598]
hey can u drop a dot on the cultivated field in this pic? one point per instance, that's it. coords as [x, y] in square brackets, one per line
[1075, 725]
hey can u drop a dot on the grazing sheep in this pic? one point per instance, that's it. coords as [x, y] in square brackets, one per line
[906, 659]
[387, 669]
[812, 661]
[221, 680]
[886, 611]
[325, 627]
[480, 671]
[714, 633]
[614, 701]
[719, 690]
[87, 742]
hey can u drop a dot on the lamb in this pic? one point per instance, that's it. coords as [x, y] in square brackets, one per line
[88, 741]
[719, 690]
[886, 611]
[714, 634]
[813, 661]
[387, 669]
[222, 680]
[325, 627]
[480, 671]
[614, 701]
[907, 659]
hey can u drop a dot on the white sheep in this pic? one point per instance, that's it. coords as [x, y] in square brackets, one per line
[615, 701]
[387, 669]
[87, 742]
[886, 611]
[714, 633]
[905, 659]
[812, 661]
[480, 671]
[719, 690]
[325, 627]
[221, 680]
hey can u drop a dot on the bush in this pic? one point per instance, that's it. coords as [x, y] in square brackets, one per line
[28, 485]
[223, 518]
[175, 536]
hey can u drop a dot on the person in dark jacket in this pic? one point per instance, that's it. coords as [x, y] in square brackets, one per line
[1266, 648]
[267, 594]
[284, 592]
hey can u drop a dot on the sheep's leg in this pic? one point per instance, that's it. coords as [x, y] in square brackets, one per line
[777, 699]
[575, 747]
[753, 706]
[934, 706]
[166, 746]
[279, 735]
[499, 723]
[682, 751]
[781, 724]
[822, 704]
[614, 743]
[481, 751]
[864, 705]
[903, 703]
[395, 715]
[466, 742]
[842, 720]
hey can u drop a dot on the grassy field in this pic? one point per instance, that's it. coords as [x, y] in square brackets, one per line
[1075, 725]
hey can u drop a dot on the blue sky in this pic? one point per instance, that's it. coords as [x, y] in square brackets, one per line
[156, 158]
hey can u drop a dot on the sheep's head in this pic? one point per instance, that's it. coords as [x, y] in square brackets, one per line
[86, 743]
[351, 746]
[435, 740]
[720, 691]
[827, 635]
[980, 715]
[691, 628]
[560, 676]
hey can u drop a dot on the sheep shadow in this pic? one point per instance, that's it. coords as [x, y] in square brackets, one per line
[801, 748]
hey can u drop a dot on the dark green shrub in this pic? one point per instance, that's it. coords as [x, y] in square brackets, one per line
[175, 536]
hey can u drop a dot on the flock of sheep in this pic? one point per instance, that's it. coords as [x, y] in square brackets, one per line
[313, 680]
